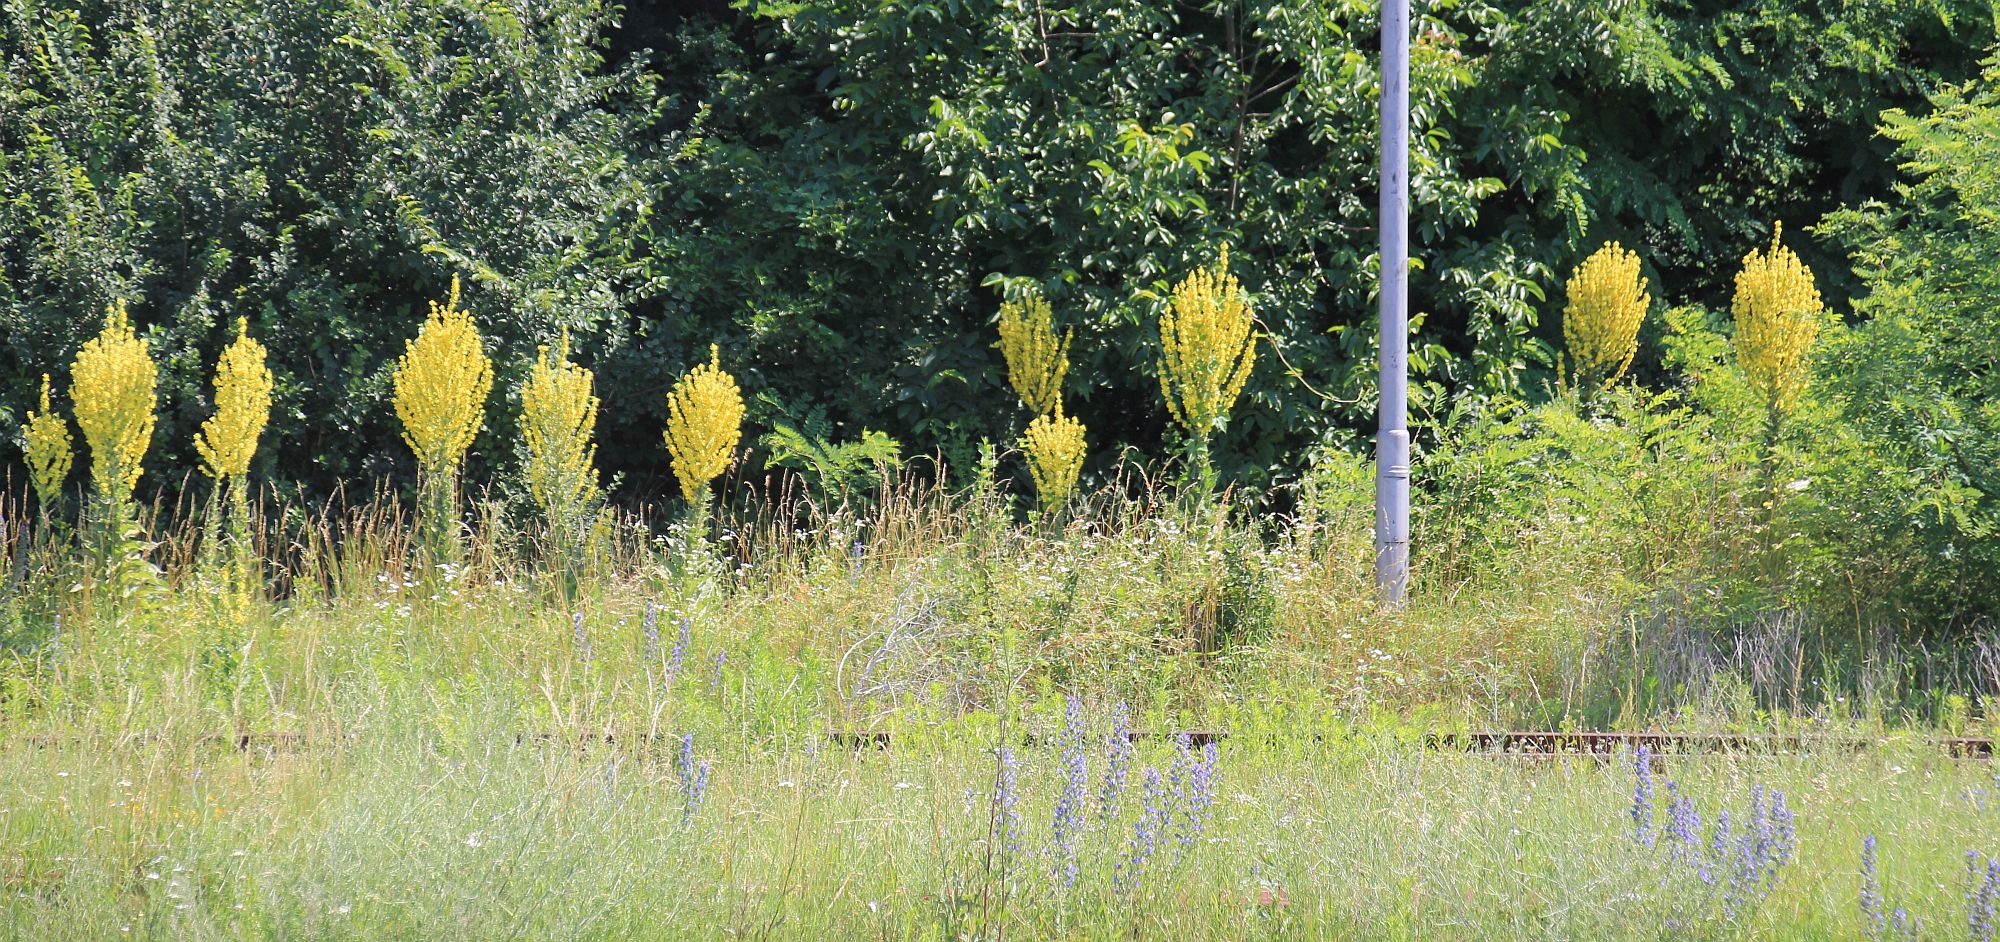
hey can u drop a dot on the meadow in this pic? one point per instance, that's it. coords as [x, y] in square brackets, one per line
[981, 543]
[935, 721]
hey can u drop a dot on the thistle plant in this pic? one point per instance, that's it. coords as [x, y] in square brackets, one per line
[440, 389]
[1054, 445]
[113, 379]
[1037, 360]
[49, 450]
[228, 440]
[704, 423]
[1777, 310]
[1207, 348]
[1607, 302]
[558, 419]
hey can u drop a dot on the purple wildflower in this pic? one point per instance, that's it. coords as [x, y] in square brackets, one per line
[1203, 797]
[1145, 841]
[1117, 764]
[1683, 830]
[1069, 813]
[1643, 830]
[1873, 924]
[649, 627]
[581, 634]
[677, 653]
[1983, 897]
[1192, 783]
[693, 778]
[1005, 825]
[721, 659]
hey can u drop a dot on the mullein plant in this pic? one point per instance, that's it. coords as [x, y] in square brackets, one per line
[1208, 345]
[49, 451]
[558, 421]
[1778, 311]
[1037, 362]
[1054, 445]
[704, 424]
[113, 386]
[440, 389]
[1607, 303]
[227, 442]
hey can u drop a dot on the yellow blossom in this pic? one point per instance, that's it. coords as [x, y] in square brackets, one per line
[243, 385]
[1777, 310]
[558, 418]
[1607, 302]
[704, 423]
[1055, 447]
[113, 387]
[1036, 359]
[441, 384]
[1207, 347]
[49, 449]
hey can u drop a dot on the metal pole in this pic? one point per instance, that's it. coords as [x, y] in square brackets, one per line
[1392, 443]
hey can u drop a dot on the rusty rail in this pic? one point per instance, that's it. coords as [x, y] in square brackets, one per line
[1501, 744]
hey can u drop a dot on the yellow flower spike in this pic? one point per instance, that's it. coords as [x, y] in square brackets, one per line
[1607, 303]
[1054, 445]
[1207, 347]
[49, 449]
[1037, 360]
[1777, 310]
[441, 384]
[113, 381]
[243, 384]
[704, 423]
[558, 419]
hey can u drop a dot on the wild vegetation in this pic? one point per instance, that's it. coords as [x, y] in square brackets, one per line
[542, 469]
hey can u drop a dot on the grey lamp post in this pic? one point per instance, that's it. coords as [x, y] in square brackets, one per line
[1392, 442]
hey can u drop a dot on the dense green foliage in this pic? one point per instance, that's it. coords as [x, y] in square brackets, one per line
[839, 193]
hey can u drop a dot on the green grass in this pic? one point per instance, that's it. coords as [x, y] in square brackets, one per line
[442, 753]
[445, 827]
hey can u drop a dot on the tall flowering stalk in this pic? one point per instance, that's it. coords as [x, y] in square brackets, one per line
[1719, 872]
[1777, 310]
[1004, 821]
[228, 440]
[440, 389]
[1607, 303]
[112, 385]
[704, 423]
[1037, 360]
[1070, 816]
[558, 420]
[1208, 345]
[1054, 445]
[1118, 753]
[49, 450]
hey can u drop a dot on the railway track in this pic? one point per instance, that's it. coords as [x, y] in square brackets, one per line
[1492, 743]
